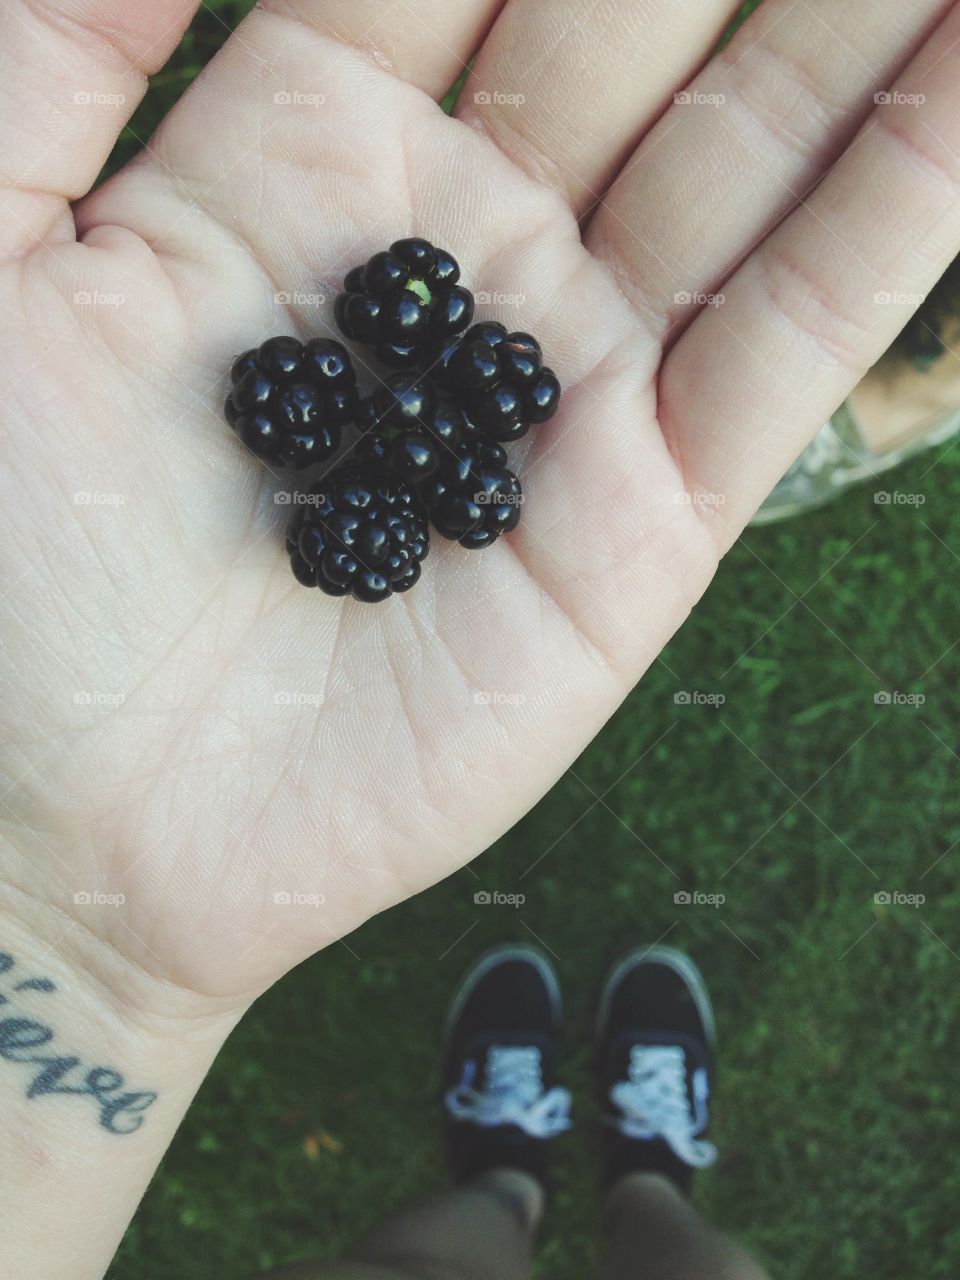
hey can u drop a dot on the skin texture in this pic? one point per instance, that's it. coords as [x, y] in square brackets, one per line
[209, 772]
[185, 725]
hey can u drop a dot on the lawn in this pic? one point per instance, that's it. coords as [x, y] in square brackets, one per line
[790, 791]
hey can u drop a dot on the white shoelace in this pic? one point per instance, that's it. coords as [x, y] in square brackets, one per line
[513, 1093]
[654, 1103]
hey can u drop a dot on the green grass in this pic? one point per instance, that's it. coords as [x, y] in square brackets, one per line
[835, 1113]
[798, 799]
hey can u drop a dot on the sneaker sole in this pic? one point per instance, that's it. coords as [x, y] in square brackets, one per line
[681, 964]
[490, 960]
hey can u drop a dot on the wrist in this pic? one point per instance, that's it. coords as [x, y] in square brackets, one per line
[98, 1062]
[124, 963]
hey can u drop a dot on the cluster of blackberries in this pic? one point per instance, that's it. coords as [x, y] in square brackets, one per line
[431, 436]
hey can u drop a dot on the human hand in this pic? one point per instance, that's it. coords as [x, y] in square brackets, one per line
[187, 727]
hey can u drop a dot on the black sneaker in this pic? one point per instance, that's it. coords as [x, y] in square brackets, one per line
[501, 1103]
[656, 1065]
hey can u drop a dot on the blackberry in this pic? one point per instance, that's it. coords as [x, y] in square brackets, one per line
[498, 379]
[361, 533]
[407, 427]
[289, 400]
[473, 497]
[403, 300]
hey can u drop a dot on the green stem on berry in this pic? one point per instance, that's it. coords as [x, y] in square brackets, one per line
[419, 287]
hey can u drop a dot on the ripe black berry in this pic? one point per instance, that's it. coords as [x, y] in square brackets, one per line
[498, 379]
[403, 300]
[473, 497]
[361, 533]
[406, 426]
[289, 401]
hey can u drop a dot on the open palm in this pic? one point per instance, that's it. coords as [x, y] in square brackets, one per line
[709, 274]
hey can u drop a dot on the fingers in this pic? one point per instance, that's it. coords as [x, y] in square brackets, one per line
[303, 131]
[425, 42]
[818, 303]
[566, 89]
[749, 139]
[73, 72]
[289, 161]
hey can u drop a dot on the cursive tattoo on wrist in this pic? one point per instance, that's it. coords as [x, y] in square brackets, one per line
[23, 1038]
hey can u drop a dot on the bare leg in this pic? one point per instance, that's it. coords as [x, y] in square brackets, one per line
[654, 1233]
[483, 1231]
